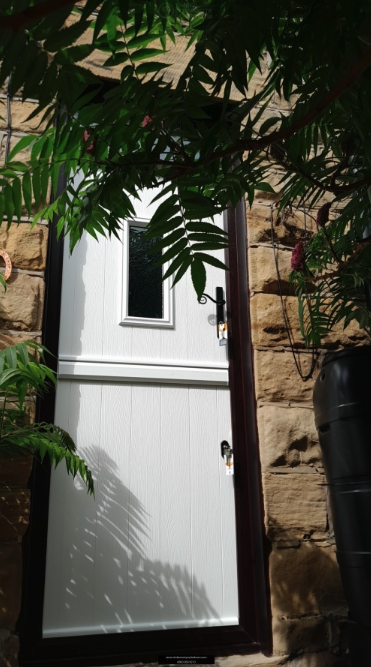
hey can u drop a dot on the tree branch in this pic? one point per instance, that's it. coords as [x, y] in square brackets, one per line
[257, 144]
[346, 82]
[18, 21]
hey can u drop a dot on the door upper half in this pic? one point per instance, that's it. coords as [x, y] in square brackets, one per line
[115, 306]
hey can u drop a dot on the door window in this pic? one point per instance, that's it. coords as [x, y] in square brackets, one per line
[145, 278]
[147, 300]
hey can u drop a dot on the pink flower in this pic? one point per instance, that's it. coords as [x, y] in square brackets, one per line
[91, 147]
[146, 120]
[322, 215]
[298, 257]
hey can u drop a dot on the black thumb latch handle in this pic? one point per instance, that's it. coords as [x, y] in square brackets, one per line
[225, 448]
[219, 302]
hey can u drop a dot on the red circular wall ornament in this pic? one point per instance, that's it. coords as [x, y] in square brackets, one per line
[8, 264]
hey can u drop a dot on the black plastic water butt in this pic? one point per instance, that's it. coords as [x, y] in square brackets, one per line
[342, 407]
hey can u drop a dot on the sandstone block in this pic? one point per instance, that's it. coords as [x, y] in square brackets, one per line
[10, 583]
[268, 326]
[9, 653]
[350, 336]
[257, 660]
[14, 513]
[299, 634]
[320, 659]
[304, 580]
[257, 82]
[175, 56]
[29, 408]
[22, 156]
[15, 471]
[287, 437]
[288, 226]
[19, 115]
[280, 102]
[276, 377]
[25, 247]
[267, 322]
[263, 273]
[7, 339]
[294, 504]
[273, 178]
[21, 304]
[271, 111]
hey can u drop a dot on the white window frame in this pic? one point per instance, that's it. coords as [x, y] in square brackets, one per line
[167, 321]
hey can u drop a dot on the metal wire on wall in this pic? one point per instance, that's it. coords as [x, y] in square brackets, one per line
[303, 376]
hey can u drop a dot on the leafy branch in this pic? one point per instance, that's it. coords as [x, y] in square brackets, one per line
[21, 374]
[200, 137]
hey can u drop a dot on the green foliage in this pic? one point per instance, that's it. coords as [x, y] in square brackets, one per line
[20, 374]
[205, 154]
[331, 285]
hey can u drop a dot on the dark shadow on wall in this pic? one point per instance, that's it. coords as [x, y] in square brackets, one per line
[308, 606]
[110, 542]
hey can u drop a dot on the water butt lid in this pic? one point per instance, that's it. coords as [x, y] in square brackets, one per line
[348, 352]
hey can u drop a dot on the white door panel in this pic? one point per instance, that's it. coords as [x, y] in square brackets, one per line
[91, 312]
[155, 548]
[148, 408]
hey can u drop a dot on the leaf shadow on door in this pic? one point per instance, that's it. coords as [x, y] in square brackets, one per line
[107, 583]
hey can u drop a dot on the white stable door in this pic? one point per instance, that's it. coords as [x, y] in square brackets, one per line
[143, 390]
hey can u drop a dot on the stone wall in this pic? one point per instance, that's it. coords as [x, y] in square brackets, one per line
[20, 320]
[308, 607]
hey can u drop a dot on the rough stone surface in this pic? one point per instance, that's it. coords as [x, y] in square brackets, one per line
[248, 661]
[270, 112]
[7, 339]
[25, 247]
[15, 471]
[21, 305]
[22, 156]
[19, 114]
[263, 273]
[293, 634]
[29, 407]
[267, 323]
[273, 177]
[305, 580]
[288, 228]
[9, 652]
[268, 327]
[288, 437]
[276, 377]
[10, 583]
[351, 336]
[14, 513]
[323, 659]
[295, 504]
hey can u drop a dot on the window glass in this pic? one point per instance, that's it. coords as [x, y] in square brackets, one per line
[145, 279]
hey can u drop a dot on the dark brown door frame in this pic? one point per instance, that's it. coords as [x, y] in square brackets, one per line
[253, 634]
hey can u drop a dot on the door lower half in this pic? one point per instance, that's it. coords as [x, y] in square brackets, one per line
[156, 548]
